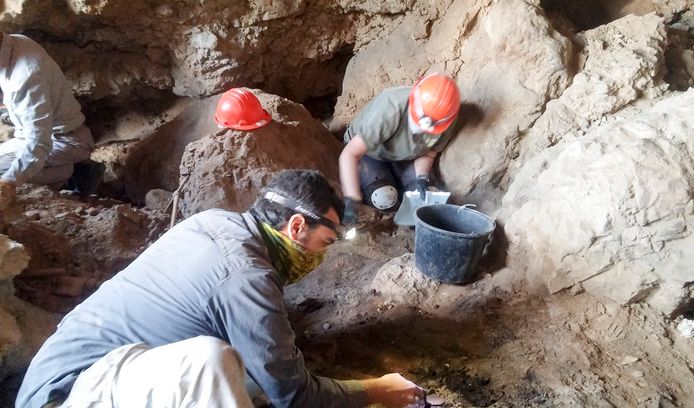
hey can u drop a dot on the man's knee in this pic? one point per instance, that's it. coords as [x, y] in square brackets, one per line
[381, 195]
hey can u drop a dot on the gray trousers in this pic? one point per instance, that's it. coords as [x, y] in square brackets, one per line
[68, 149]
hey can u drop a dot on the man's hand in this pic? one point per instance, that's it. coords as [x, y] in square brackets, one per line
[393, 391]
[8, 193]
[422, 184]
[351, 212]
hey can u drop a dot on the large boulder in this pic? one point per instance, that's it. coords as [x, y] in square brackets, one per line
[227, 169]
[613, 211]
[501, 75]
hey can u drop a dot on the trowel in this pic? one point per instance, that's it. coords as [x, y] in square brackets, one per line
[412, 200]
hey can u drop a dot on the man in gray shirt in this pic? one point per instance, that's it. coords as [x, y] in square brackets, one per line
[50, 135]
[390, 146]
[168, 330]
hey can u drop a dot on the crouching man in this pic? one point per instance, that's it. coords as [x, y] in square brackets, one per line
[172, 328]
[50, 135]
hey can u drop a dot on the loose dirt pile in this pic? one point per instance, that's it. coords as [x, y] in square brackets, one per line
[75, 244]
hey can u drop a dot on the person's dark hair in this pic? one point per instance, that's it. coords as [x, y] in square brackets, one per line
[307, 187]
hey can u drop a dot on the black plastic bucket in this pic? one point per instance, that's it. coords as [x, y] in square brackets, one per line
[449, 240]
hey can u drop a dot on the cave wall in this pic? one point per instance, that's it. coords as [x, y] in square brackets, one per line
[541, 81]
[190, 48]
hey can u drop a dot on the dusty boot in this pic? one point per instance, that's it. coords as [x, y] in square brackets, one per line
[86, 177]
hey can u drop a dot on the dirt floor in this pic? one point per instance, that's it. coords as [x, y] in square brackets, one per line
[483, 344]
[368, 311]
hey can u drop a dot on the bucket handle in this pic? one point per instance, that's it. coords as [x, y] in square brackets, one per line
[470, 206]
[474, 234]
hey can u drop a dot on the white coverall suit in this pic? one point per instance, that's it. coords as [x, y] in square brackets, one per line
[50, 135]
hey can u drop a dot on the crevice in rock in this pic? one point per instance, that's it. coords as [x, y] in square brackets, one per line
[589, 14]
[679, 59]
[322, 106]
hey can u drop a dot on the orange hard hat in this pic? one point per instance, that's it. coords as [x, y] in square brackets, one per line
[434, 102]
[239, 109]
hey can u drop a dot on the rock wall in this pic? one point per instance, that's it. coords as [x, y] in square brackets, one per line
[624, 61]
[612, 212]
[496, 69]
[528, 81]
[154, 161]
[294, 48]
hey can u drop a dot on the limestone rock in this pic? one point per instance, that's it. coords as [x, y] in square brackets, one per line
[129, 48]
[624, 62]
[399, 282]
[158, 199]
[612, 210]
[686, 328]
[13, 258]
[500, 75]
[228, 168]
[22, 327]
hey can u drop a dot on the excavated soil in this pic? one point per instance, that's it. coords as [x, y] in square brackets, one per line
[368, 311]
[76, 243]
[485, 344]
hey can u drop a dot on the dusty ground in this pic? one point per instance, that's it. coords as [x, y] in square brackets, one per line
[367, 311]
[483, 344]
[76, 243]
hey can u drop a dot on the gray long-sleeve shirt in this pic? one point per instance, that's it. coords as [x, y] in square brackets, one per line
[209, 275]
[39, 101]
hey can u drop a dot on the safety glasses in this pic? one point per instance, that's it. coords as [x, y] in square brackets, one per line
[312, 218]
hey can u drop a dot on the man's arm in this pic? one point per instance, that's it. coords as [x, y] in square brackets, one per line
[423, 164]
[32, 105]
[249, 310]
[349, 167]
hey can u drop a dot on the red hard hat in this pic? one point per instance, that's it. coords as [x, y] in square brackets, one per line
[239, 109]
[434, 102]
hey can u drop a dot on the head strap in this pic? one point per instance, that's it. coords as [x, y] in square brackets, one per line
[296, 206]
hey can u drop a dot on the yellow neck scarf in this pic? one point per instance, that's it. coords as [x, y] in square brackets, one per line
[291, 260]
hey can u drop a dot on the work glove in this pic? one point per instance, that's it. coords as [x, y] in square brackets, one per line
[349, 219]
[422, 185]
